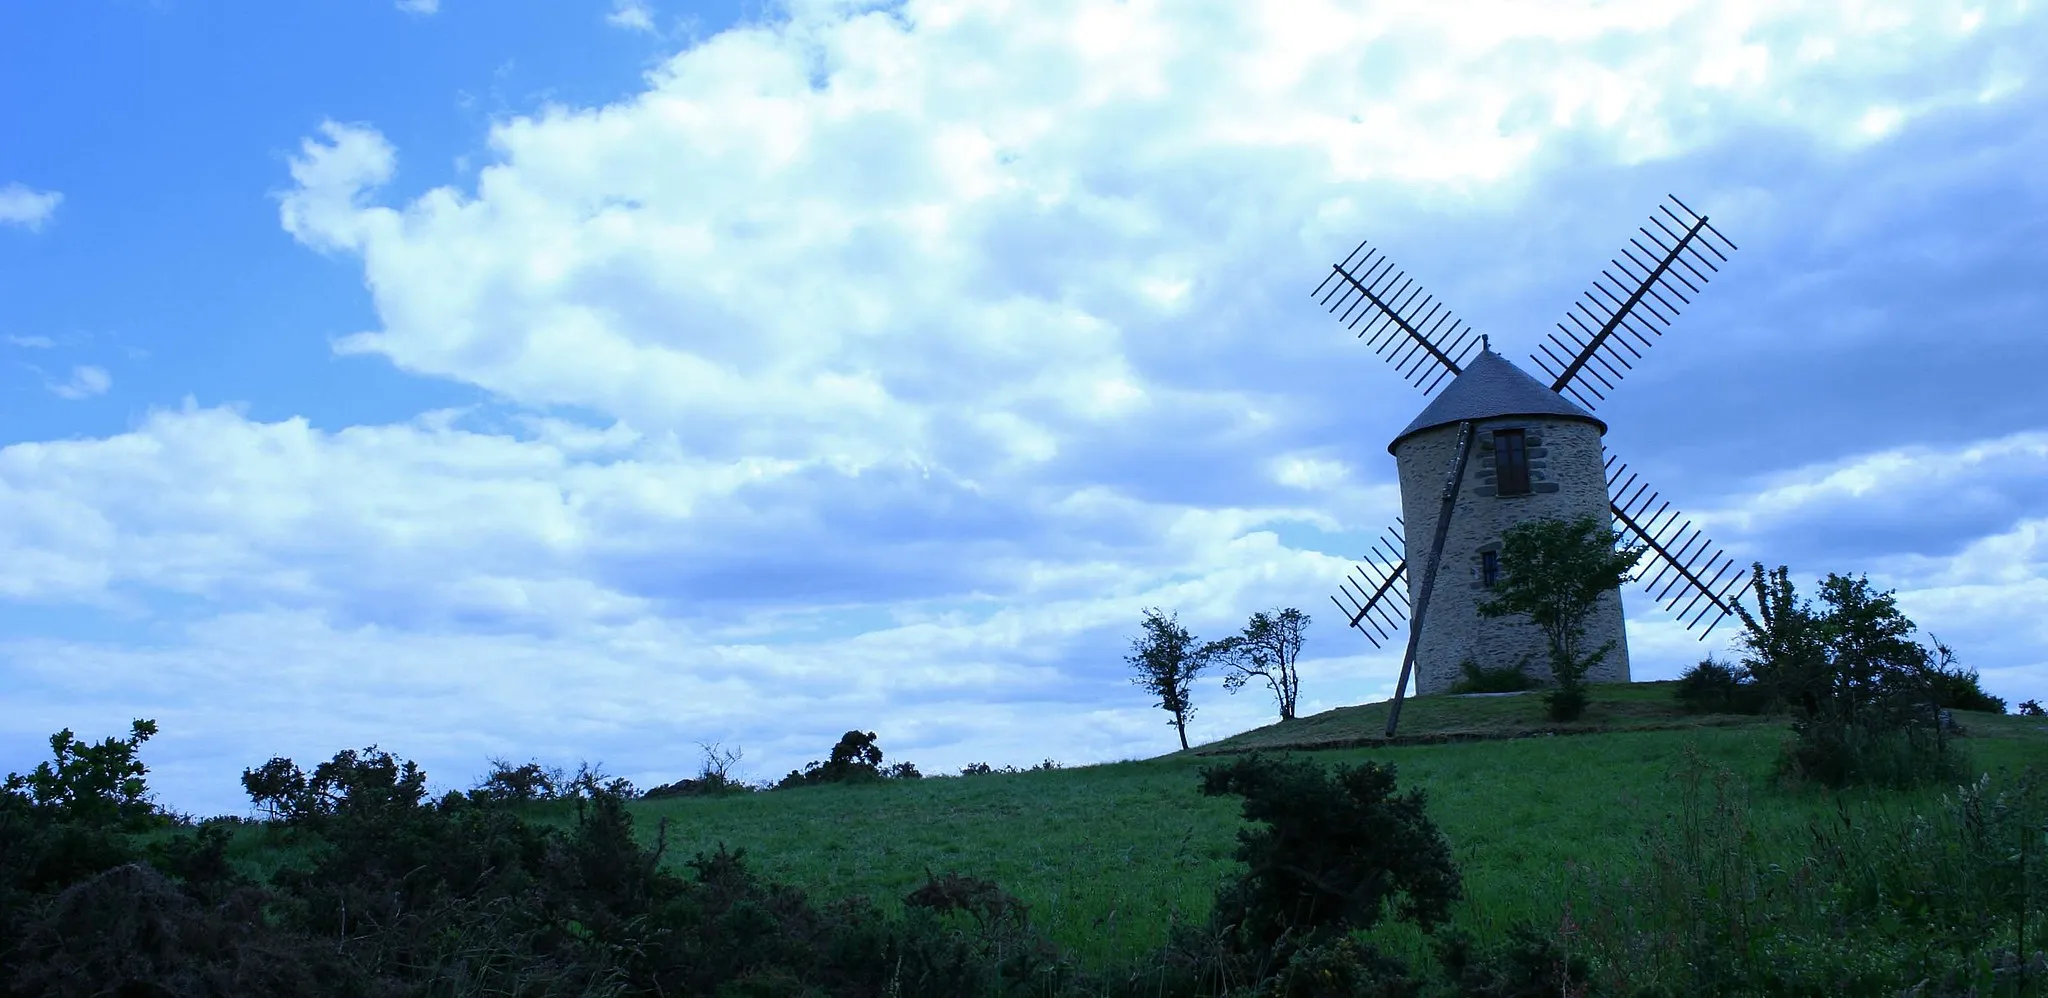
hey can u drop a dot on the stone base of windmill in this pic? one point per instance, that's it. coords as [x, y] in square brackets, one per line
[1496, 643]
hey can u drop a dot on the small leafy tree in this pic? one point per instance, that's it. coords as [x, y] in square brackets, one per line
[101, 786]
[1864, 697]
[2031, 708]
[1167, 661]
[1554, 573]
[1267, 649]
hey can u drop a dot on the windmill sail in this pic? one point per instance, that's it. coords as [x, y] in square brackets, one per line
[1690, 576]
[1376, 592]
[1635, 300]
[1413, 331]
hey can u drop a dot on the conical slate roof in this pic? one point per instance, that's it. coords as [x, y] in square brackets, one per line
[1490, 386]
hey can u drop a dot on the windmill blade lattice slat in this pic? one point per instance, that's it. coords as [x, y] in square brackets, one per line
[1633, 300]
[1375, 594]
[1692, 577]
[1412, 330]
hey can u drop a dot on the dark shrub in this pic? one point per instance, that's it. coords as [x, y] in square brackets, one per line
[715, 776]
[1957, 687]
[1713, 687]
[509, 784]
[856, 759]
[130, 931]
[97, 786]
[1528, 964]
[1505, 679]
[1861, 693]
[1567, 702]
[1329, 851]
[356, 785]
[2031, 708]
[1877, 752]
[1343, 967]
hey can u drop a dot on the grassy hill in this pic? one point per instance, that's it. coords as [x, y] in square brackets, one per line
[1107, 855]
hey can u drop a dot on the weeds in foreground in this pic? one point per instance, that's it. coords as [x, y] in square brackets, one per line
[1950, 898]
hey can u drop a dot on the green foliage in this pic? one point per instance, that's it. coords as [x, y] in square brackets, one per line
[1266, 649]
[1166, 661]
[1941, 898]
[1529, 963]
[389, 895]
[522, 784]
[1342, 967]
[1715, 687]
[1554, 573]
[1958, 687]
[1331, 851]
[368, 784]
[2031, 708]
[856, 759]
[1505, 679]
[94, 786]
[1839, 753]
[1864, 697]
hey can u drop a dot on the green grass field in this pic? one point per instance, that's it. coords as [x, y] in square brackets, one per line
[1106, 855]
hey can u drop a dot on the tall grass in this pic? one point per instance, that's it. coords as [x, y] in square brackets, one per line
[1876, 895]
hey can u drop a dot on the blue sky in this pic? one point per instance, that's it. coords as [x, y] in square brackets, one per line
[591, 380]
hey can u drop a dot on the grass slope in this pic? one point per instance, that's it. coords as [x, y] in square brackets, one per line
[1107, 855]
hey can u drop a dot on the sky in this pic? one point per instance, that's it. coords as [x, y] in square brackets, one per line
[589, 380]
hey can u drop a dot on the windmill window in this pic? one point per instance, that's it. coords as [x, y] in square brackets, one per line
[1489, 568]
[1510, 463]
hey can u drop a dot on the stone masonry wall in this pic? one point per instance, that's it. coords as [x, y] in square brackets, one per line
[1567, 479]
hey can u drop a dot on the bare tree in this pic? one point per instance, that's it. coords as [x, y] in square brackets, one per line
[1267, 649]
[1167, 661]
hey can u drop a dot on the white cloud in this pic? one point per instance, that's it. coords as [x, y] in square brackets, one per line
[633, 15]
[26, 207]
[928, 232]
[30, 342]
[85, 382]
[422, 7]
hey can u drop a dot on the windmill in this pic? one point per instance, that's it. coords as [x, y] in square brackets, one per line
[1497, 446]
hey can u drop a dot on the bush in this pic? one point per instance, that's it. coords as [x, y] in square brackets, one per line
[1505, 679]
[1931, 899]
[362, 785]
[1837, 753]
[98, 786]
[1343, 967]
[1957, 687]
[2031, 708]
[509, 784]
[1331, 851]
[1528, 964]
[856, 759]
[1862, 695]
[714, 777]
[1567, 702]
[1712, 687]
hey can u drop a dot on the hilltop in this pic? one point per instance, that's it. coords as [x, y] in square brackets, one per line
[1107, 855]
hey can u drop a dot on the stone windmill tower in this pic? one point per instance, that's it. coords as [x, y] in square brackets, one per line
[1497, 447]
